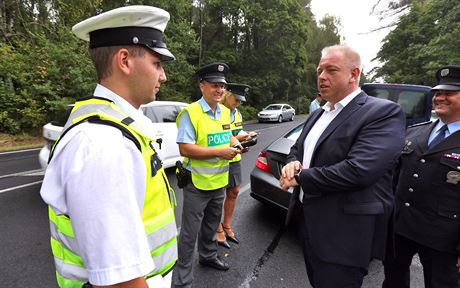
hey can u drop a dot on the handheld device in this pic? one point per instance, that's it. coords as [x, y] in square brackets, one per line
[247, 143]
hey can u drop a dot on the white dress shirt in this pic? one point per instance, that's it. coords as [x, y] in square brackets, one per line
[97, 177]
[318, 128]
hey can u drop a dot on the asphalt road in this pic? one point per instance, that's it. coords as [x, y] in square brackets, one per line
[267, 256]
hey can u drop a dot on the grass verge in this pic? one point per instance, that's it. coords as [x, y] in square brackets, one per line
[19, 142]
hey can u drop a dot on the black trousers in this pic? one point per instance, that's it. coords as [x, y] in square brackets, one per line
[322, 274]
[439, 270]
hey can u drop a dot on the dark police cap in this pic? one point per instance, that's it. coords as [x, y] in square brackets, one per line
[130, 25]
[239, 90]
[448, 78]
[213, 73]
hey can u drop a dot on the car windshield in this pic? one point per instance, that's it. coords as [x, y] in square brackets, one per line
[162, 114]
[62, 115]
[412, 100]
[294, 133]
[273, 107]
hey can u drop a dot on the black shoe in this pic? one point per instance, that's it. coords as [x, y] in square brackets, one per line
[215, 263]
[231, 238]
[224, 244]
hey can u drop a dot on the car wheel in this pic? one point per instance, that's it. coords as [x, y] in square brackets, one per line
[292, 117]
[280, 119]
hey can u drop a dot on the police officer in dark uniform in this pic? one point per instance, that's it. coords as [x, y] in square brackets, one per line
[428, 194]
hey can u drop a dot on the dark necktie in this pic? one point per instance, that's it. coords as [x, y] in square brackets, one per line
[441, 135]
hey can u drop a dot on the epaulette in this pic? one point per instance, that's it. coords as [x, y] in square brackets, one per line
[420, 124]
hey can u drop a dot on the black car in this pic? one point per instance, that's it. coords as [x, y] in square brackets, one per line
[415, 101]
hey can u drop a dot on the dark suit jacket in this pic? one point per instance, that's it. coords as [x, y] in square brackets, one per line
[428, 191]
[348, 198]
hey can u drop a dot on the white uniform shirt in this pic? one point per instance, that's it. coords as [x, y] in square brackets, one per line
[318, 128]
[97, 177]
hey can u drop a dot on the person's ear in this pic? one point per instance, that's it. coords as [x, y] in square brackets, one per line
[355, 72]
[201, 86]
[122, 60]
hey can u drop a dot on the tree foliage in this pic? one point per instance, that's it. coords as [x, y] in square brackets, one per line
[272, 45]
[425, 39]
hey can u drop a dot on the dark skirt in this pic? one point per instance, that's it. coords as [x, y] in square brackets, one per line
[234, 174]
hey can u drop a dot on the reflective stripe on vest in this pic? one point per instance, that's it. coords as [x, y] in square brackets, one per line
[236, 126]
[209, 174]
[159, 200]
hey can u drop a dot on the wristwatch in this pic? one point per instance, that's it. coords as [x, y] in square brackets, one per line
[297, 177]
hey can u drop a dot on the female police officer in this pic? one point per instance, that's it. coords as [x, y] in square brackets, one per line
[232, 98]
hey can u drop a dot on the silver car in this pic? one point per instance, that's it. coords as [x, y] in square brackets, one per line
[277, 112]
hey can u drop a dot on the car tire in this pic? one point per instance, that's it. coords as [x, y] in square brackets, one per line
[292, 117]
[280, 119]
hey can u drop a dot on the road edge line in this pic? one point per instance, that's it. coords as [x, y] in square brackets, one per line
[20, 186]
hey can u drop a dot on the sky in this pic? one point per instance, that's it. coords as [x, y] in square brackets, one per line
[357, 21]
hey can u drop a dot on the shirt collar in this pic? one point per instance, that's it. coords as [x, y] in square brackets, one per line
[344, 102]
[120, 102]
[206, 107]
[451, 127]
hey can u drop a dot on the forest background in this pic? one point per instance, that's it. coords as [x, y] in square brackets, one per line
[272, 45]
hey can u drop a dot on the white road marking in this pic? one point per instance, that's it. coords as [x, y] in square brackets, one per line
[38, 172]
[20, 186]
[416, 261]
[20, 151]
[245, 188]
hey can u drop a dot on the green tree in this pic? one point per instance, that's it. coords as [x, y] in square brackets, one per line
[273, 45]
[325, 34]
[425, 39]
[45, 67]
[264, 42]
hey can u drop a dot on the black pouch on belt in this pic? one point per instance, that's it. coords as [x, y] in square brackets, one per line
[182, 174]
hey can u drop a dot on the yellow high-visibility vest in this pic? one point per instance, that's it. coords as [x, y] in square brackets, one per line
[236, 126]
[157, 214]
[212, 173]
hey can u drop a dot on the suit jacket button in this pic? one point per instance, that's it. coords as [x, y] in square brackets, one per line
[407, 204]
[415, 175]
[422, 161]
[411, 190]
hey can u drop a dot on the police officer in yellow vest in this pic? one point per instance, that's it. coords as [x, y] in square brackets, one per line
[110, 203]
[204, 138]
[233, 96]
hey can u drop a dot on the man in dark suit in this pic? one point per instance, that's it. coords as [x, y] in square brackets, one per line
[343, 162]
[428, 194]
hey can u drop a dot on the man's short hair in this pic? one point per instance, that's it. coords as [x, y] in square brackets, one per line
[353, 57]
[102, 58]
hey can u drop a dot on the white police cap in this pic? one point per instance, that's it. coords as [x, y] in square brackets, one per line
[130, 25]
